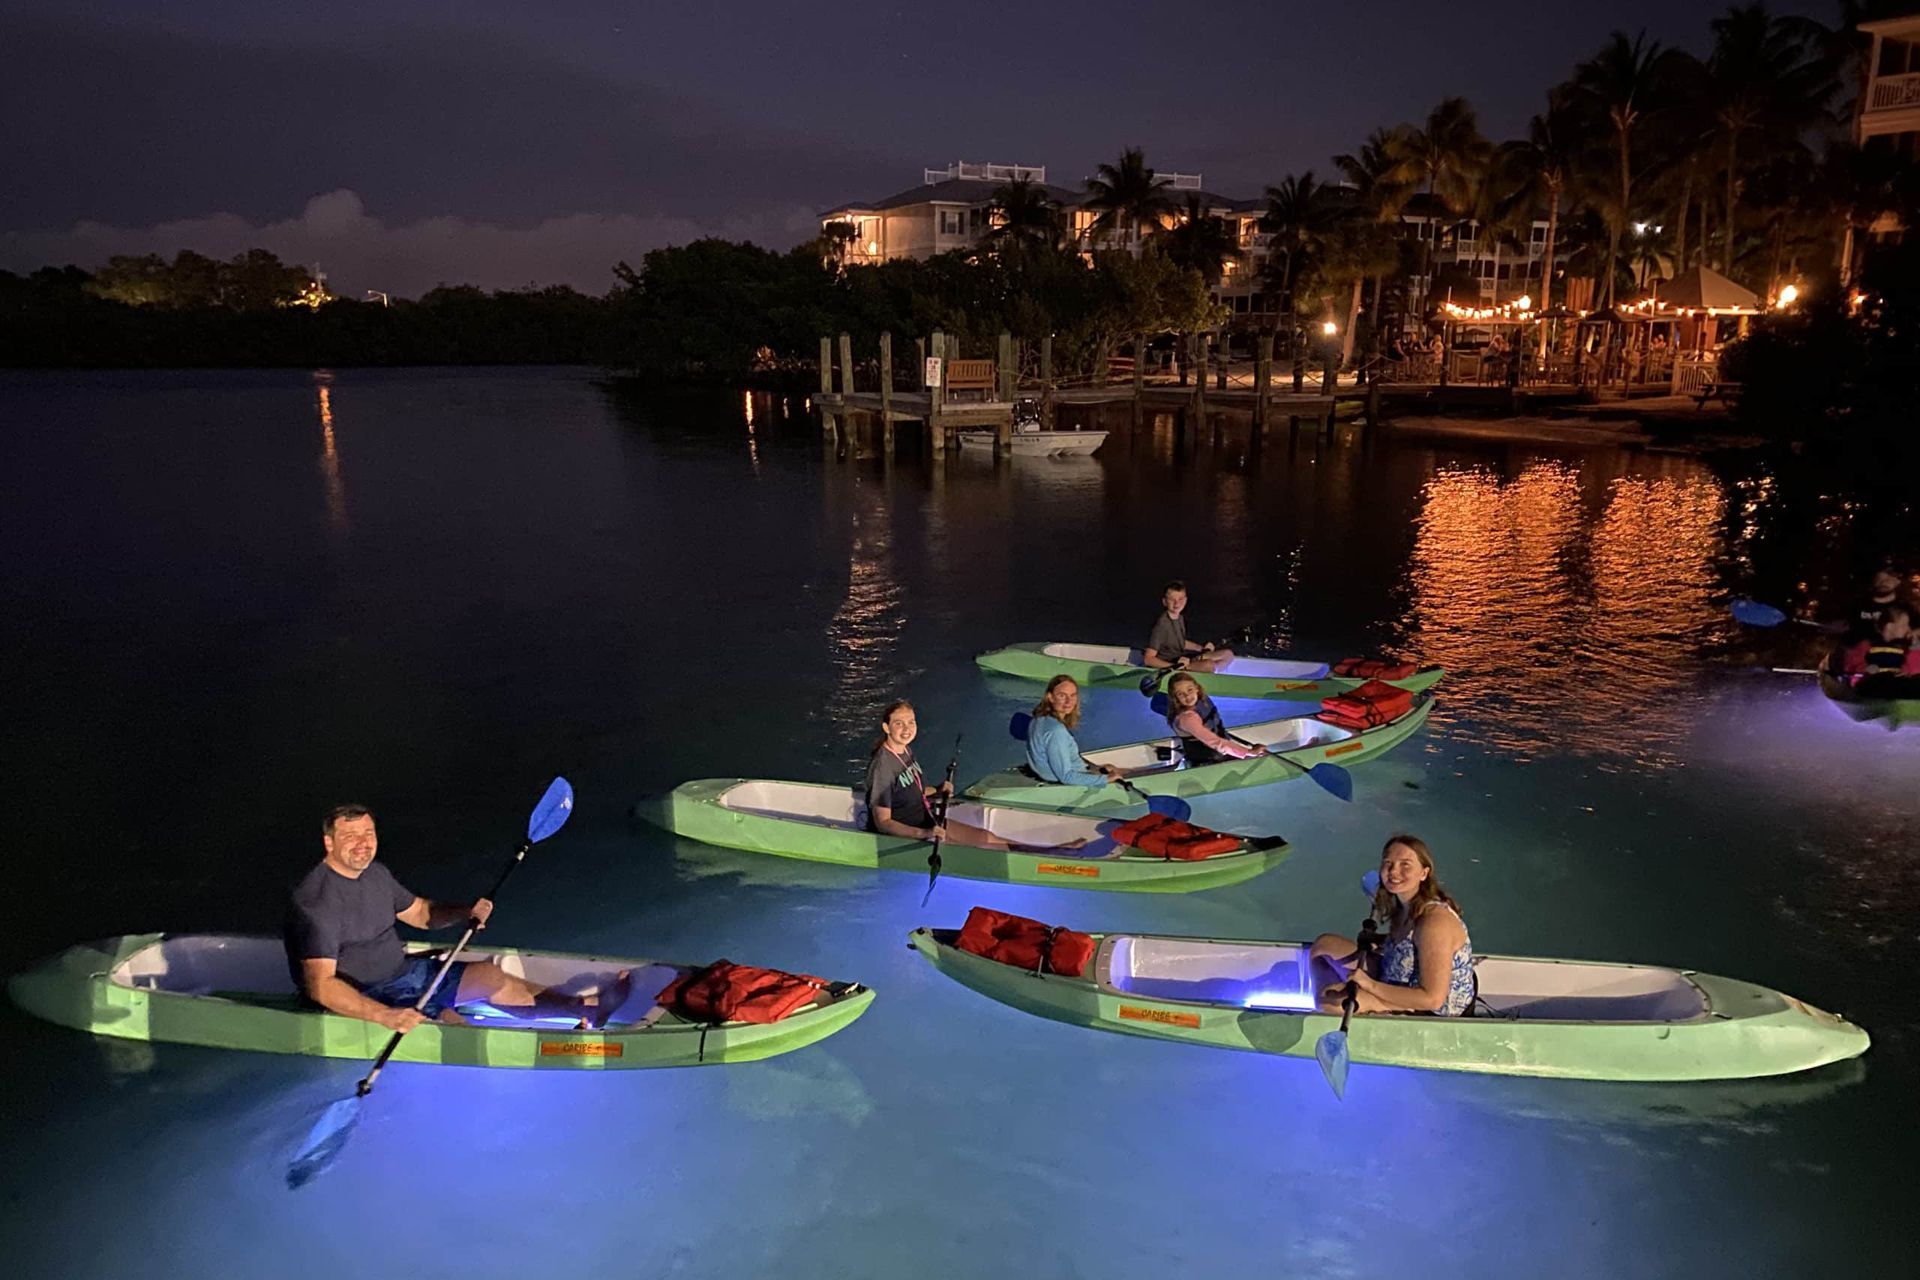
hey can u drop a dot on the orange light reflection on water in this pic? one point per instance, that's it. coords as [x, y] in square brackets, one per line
[1564, 605]
[330, 456]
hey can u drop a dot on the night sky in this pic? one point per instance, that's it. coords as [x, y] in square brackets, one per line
[400, 143]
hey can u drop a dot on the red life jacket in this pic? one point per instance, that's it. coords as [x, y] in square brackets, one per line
[729, 992]
[1025, 944]
[1373, 669]
[1172, 838]
[1370, 705]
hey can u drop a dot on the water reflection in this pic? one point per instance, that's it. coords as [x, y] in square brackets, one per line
[753, 439]
[330, 453]
[1558, 626]
[865, 629]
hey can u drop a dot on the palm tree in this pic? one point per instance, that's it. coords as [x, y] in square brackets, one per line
[1371, 172]
[1354, 249]
[1443, 157]
[1619, 83]
[1300, 213]
[1024, 214]
[1537, 169]
[1771, 74]
[1200, 242]
[1127, 195]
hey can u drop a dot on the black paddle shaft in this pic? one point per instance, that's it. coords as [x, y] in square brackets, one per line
[473, 926]
[939, 820]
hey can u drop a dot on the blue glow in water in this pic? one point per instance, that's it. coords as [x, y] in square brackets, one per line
[1294, 1000]
[230, 617]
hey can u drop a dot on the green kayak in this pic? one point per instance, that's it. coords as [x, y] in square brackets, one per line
[1298, 743]
[233, 992]
[1895, 711]
[1569, 1019]
[1104, 664]
[819, 822]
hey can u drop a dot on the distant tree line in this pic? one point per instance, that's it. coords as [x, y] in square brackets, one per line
[1645, 161]
[255, 310]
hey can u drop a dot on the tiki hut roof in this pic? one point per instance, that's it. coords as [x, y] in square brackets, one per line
[1702, 289]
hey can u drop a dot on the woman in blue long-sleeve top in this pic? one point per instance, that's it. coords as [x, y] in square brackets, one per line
[1052, 752]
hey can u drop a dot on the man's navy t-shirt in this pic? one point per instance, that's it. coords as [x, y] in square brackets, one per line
[348, 921]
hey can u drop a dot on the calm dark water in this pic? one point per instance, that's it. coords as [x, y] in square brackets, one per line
[228, 600]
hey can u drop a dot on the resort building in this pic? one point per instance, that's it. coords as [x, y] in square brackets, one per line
[1889, 109]
[953, 208]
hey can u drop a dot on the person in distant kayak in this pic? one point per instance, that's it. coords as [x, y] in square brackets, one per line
[1863, 622]
[1168, 646]
[1424, 961]
[1890, 654]
[345, 955]
[1203, 735]
[1052, 751]
[899, 801]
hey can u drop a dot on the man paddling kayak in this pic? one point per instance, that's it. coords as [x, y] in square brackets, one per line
[345, 954]
[897, 792]
[1863, 621]
[1167, 644]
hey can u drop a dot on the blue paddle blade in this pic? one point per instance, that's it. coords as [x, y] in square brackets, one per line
[552, 812]
[1755, 614]
[1170, 807]
[1149, 684]
[324, 1142]
[1159, 704]
[1370, 883]
[1334, 780]
[1330, 1051]
[1020, 725]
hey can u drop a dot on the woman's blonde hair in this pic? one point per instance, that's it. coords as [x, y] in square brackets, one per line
[1044, 707]
[1386, 907]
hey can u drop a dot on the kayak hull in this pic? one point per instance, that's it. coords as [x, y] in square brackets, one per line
[763, 816]
[1717, 1028]
[153, 987]
[1319, 743]
[1111, 665]
[1894, 711]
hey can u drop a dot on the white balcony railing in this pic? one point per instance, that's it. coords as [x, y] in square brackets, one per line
[1889, 93]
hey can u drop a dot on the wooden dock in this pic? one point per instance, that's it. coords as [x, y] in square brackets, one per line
[948, 394]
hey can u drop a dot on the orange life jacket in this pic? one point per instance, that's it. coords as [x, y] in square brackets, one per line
[1025, 944]
[729, 992]
[1373, 669]
[1366, 707]
[1172, 838]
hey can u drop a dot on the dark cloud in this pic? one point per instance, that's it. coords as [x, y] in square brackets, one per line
[548, 133]
[138, 125]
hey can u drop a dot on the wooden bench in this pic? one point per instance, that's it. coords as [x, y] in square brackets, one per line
[972, 375]
[1727, 393]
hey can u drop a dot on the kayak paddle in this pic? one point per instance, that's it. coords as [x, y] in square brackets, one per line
[1166, 806]
[1330, 1050]
[1755, 614]
[1332, 779]
[939, 820]
[330, 1132]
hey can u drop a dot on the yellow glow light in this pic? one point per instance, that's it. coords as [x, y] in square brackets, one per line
[1329, 328]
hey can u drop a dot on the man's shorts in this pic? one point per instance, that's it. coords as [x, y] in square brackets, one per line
[404, 988]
